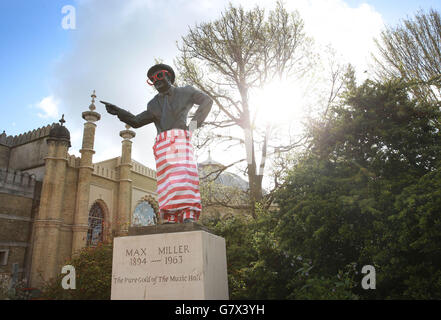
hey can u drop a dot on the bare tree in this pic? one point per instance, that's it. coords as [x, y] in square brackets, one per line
[412, 51]
[241, 51]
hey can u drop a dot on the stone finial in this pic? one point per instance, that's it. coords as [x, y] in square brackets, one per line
[62, 121]
[91, 115]
[92, 105]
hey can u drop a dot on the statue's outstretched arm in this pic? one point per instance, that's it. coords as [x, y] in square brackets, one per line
[125, 116]
[137, 121]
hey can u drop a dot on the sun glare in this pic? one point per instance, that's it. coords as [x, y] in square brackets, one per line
[278, 103]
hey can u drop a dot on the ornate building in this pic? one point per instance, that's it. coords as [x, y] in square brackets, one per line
[52, 204]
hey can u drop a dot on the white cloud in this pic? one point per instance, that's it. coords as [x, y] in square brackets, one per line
[350, 31]
[49, 106]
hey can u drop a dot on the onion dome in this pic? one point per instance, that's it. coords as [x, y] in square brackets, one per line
[60, 132]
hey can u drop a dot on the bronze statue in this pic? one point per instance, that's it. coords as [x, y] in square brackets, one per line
[176, 170]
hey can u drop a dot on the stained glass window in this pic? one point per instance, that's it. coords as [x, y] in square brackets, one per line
[144, 215]
[95, 231]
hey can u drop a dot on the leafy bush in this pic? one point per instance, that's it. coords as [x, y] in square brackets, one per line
[93, 269]
[259, 269]
[19, 291]
[368, 192]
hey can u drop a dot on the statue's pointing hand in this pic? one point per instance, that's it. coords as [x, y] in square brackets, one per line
[111, 108]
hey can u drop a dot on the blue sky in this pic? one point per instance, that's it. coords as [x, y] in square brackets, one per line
[32, 40]
[393, 11]
[114, 43]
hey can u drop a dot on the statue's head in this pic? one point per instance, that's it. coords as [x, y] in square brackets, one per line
[161, 76]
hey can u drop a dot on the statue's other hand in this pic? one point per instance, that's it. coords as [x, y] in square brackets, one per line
[111, 108]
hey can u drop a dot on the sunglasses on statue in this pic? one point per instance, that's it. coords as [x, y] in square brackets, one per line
[160, 75]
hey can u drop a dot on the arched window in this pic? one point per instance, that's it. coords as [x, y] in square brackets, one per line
[144, 215]
[95, 231]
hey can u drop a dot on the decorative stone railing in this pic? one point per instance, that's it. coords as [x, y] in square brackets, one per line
[139, 168]
[104, 172]
[16, 182]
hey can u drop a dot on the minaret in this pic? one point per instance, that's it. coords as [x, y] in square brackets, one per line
[125, 183]
[84, 176]
[47, 223]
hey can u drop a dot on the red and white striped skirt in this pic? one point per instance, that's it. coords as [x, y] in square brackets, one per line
[177, 176]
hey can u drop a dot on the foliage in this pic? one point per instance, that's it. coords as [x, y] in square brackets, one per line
[4, 288]
[318, 287]
[259, 269]
[93, 268]
[366, 193]
[412, 51]
[416, 253]
[19, 291]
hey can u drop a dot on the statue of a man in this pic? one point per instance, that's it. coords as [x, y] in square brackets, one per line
[176, 170]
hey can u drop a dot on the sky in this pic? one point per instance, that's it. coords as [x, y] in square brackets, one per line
[48, 70]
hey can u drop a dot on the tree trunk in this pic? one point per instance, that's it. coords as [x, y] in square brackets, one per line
[255, 188]
[255, 180]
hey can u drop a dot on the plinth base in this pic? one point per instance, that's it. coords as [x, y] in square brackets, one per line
[169, 262]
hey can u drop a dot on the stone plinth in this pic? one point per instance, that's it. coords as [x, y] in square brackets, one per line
[169, 262]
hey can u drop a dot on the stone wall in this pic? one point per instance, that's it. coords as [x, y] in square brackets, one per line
[4, 156]
[28, 155]
[24, 151]
[111, 163]
[105, 185]
[38, 172]
[67, 216]
[143, 170]
[106, 190]
[105, 194]
[16, 182]
[105, 171]
[15, 229]
[143, 182]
